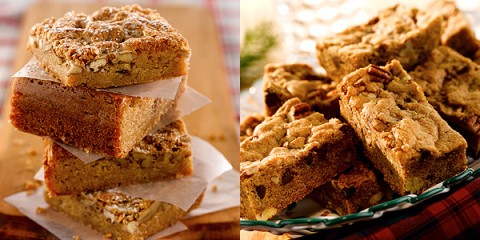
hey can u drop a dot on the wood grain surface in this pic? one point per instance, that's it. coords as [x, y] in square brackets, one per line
[21, 153]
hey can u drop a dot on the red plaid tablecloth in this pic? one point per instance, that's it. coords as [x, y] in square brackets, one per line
[453, 215]
[226, 12]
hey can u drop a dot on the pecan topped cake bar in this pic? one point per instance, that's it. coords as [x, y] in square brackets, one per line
[399, 32]
[284, 81]
[288, 155]
[403, 135]
[162, 155]
[110, 48]
[119, 216]
[451, 83]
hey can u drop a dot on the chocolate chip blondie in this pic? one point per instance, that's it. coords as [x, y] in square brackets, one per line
[110, 48]
[284, 81]
[403, 135]
[288, 155]
[399, 32]
[457, 34]
[353, 190]
[161, 155]
[119, 216]
[451, 83]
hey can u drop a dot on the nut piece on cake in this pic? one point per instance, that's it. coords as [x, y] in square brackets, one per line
[284, 81]
[162, 155]
[94, 121]
[110, 48]
[288, 155]
[403, 135]
[351, 191]
[118, 215]
[399, 32]
[451, 83]
[458, 33]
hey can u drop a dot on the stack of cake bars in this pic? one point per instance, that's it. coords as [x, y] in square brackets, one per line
[111, 48]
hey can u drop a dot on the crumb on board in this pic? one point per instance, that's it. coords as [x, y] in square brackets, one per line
[214, 188]
[76, 237]
[30, 185]
[40, 210]
[107, 236]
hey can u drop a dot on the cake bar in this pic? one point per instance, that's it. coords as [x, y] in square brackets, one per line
[284, 81]
[403, 135]
[110, 48]
[351, 191]
[451, 83]
[118, 216]
[399, 32]
[288, 155]
[458, 33]
[93, 121]
[162, 155]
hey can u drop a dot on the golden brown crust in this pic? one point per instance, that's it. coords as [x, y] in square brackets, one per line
[162, 155]
[112, 42]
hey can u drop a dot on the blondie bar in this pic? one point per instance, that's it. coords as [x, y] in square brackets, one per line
[403, 135]
[356, 189]
[451, 83]
[458, 33]
[162, 155]
[94, 121]
[118, 216]
[288, 155]
[284, 81]
[112, 47]
[399, 32]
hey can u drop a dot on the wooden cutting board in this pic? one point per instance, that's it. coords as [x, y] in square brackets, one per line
[21, 153]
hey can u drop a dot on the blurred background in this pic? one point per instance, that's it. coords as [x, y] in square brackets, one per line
[286, 30]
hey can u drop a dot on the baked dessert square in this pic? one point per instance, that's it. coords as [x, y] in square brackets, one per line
[457, 34]
[288, 155]
[451, 83]
[93, 121]
[284, 81]
[162, 155]
[119, 216]
[111, 47]
[355, 189]
[399, 32]
[402, 134]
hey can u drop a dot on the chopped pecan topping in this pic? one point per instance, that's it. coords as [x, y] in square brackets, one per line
[377, 74]
[301, 110]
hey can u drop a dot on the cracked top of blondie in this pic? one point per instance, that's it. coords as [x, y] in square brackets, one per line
[293, 130]
[116, 34]
[395, 115]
